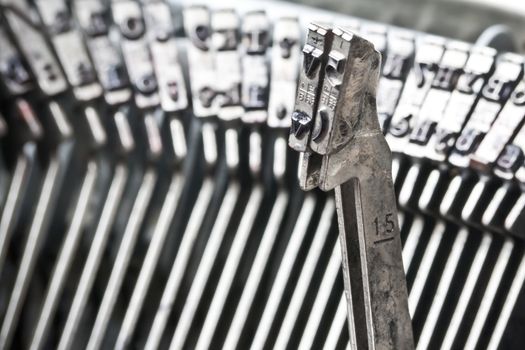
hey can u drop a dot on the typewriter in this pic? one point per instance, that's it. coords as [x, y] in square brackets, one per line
[149, 199]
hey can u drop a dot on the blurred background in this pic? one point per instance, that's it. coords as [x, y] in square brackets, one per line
[461, 19]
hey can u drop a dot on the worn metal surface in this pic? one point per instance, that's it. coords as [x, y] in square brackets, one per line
[356, 161]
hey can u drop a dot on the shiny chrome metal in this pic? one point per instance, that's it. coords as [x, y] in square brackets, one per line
[283, 274]
[331, 279]
[306, 276]
[92, 176]
[102, 231]
[130, 234]
[189, 237]
[63, 263]
[38, 229]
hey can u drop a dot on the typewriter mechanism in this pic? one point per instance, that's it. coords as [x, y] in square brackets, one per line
[154, 159]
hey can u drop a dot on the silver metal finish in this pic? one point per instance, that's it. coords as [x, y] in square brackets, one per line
[178, 220]
[93, 19]
[356, 161]
[70, 48]
[130, 22]
[34, 47]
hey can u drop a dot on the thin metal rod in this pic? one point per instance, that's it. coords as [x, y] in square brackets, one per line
[179, 265]
[225, 284]
[369, 236]
[15, 198]
[256, 271]
[94, 258]
[35, 239]
[284, 272]
[206, 264]
[329, 281]
[122, 259]
[468, 289]
[150, 262]
[63, 263]
[306, 276]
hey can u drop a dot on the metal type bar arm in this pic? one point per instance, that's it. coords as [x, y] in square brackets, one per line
[92, 175]
[254, 56]
[39, 226]
[131, 233]
[15, 198]
[160, 234]
[305, 280]
[356, 161]
[56, 167]
[445, 282]
[225, 26]
[63, 263]
[22, 175]
[219, 230]
[197, 24]
[172, 92]
[372, 264]
[278, 290]
[189, 238]
[510, 301]
[273, 226]
[338, 326]
[227, 278]
[121, 180]
[122, 259]
[369, 233]
[469, 288]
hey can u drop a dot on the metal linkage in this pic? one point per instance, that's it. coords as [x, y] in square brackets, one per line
[50, 133]
[173, 97]
[120, 185]
[356, 162]
[51, 188]
[225, 40]
[92, 179]
[209, 243]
